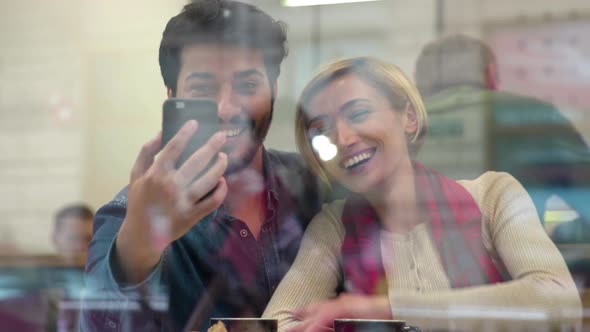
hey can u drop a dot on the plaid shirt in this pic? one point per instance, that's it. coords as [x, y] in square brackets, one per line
[217, 267]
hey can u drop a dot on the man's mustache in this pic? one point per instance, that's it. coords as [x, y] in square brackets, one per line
[238, 122]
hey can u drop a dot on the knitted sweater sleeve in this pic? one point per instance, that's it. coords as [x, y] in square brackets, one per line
[314, 275]
[541, 292]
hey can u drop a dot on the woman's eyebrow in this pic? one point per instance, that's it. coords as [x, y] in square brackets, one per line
[317, 118]
[351, 103]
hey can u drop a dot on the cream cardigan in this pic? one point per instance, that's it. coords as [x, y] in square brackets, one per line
[542, 289]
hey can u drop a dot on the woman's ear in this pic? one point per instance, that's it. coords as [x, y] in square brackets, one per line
[411, 125]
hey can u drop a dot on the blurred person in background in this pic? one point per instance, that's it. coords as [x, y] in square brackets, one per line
[72, 231]
[409, 243]
[33, 286]
[529, 138]
[64, 281]
[223, 254]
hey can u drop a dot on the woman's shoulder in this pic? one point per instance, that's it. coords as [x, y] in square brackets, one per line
[335, 205]
[332, 210]
[327, 221]
[492, 185]
[500, 197]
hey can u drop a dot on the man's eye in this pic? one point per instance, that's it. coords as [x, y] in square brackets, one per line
[202, 89]
[247, 87]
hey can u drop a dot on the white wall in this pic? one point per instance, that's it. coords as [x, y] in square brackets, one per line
[96, 58]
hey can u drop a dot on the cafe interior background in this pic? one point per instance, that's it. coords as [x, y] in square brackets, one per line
[81, 91]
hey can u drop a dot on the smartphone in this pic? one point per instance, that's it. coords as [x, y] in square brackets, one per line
[176, 112]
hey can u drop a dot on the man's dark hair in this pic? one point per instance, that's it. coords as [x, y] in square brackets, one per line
[78, 210]
[222, 21]
[451, 61]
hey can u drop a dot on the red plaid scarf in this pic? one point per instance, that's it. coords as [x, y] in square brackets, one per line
[455, 221]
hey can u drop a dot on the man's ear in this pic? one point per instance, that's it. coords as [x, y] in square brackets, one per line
[169, 92]
[491, 77]
[274, 90]
[411, 120]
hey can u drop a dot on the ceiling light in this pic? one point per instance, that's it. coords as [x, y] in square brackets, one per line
[298, 3]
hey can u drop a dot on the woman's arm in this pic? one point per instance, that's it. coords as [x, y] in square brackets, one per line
[542, 285]
[314, 275]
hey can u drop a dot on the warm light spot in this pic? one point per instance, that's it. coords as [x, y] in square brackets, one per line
[324, 148]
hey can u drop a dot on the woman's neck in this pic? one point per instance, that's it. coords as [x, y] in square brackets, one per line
[396, 203]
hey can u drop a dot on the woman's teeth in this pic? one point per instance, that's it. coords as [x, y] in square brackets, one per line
[353, 161]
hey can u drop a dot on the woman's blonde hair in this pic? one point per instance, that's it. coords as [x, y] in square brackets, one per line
[387, 78]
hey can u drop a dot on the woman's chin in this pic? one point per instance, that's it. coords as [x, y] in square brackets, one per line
[364, 185]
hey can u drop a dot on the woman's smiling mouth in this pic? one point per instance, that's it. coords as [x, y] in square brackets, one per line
[357, 159]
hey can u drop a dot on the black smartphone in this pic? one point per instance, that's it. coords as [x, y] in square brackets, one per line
[176, 112]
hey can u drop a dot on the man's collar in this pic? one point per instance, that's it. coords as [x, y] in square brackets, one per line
[272, 181]
[272, 184]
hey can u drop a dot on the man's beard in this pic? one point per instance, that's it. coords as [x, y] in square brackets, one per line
[257, 135]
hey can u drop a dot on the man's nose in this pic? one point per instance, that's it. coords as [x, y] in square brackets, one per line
[227, 104]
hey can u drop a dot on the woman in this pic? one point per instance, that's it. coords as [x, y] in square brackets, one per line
[409, 243]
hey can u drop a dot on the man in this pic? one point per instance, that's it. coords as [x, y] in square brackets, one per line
[458, 78]
[72, 231]
[222, 254]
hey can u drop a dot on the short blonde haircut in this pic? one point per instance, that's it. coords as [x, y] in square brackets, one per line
[387, 78]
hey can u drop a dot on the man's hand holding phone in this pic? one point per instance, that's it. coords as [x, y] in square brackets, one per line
[162, 195]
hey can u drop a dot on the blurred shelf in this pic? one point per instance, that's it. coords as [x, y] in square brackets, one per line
[24, 260]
